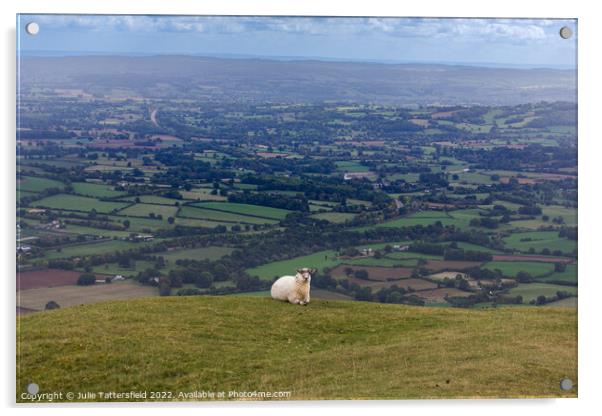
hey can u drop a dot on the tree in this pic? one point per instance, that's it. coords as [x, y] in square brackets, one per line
[86, 279]
[559, 267]
[204, 280]
[362, 274]
[52, 305]
[126, 224]
[365, 293]
[164, 288]
[220, 272]
[171, 220]
[524, 277]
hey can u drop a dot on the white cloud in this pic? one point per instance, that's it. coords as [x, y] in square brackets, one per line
[509, 30]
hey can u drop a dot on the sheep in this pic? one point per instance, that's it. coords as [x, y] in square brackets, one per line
[294, 289]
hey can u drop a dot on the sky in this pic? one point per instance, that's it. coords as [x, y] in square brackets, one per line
[494, 42]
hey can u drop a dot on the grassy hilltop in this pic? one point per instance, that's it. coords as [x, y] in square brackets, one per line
[327, 350]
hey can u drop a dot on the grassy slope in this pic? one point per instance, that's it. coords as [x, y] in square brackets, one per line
[328, 350]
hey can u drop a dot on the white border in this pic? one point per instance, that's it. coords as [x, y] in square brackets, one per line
[590, 202]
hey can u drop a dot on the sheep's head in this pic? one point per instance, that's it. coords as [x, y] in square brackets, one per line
[304, 275]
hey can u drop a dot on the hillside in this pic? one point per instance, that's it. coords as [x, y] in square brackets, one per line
[328, 350]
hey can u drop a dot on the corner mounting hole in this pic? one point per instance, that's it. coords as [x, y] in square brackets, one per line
[32, 28]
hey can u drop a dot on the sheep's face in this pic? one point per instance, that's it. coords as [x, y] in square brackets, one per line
[304, 275]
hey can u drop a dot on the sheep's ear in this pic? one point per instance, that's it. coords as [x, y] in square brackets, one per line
[314, 271]
[299, 270]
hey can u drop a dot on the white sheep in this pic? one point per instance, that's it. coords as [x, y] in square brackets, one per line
[294, 289]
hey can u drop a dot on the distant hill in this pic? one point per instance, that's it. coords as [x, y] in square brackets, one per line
[220, 79]
[327, 350]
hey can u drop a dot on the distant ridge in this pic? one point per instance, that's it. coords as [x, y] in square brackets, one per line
[254, 79]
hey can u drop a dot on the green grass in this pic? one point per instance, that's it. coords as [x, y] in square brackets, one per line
[413, 255]
[93, 248]
[210, 214]
[459, 218]
[383, 262]
[95, 190]
[327, 350]
[201, 253]
[335, 217]
[538, 241]
[35, 184]
[144, 210]
[138, 224]
[115, 269]
[317, 260]
[530, 291]
[80, 229]
[568, 214]
[511, 268]
[568, 276]
[78, 203]
[245, 209]
[155, 199]
[475, 247]
[351, 166]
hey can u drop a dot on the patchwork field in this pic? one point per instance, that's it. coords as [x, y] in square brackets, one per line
[211, 214]
[145, 210]
[437, 265]
[569, 276]
[73, 295]
[335, 217]
[201, 253]
[245, 209]
[92, 248]
[48, 278]
[78, 203]
[35, 184]
[530, 291]
[539, 240]
[317, 260]
[511, 269]
[95, 190]
[374, 273]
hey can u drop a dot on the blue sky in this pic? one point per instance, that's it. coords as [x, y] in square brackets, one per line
[521, 42]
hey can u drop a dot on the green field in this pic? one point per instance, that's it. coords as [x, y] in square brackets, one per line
[327, 350]
[144, 210]
[386, 262]
[539, 240]
[530, 291]
[317, 260]
[79, 229]
[92, 249]
[245, 209]
[155, 199]
[335, 217]
[459, 218]
[202, 194]
[210, 214]
[474, 247]
[95, 190]
[568, 276]
[35, 184]
[511, 268]
[115, 269]
[201, 253]
[78, 203]
[351, 166]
